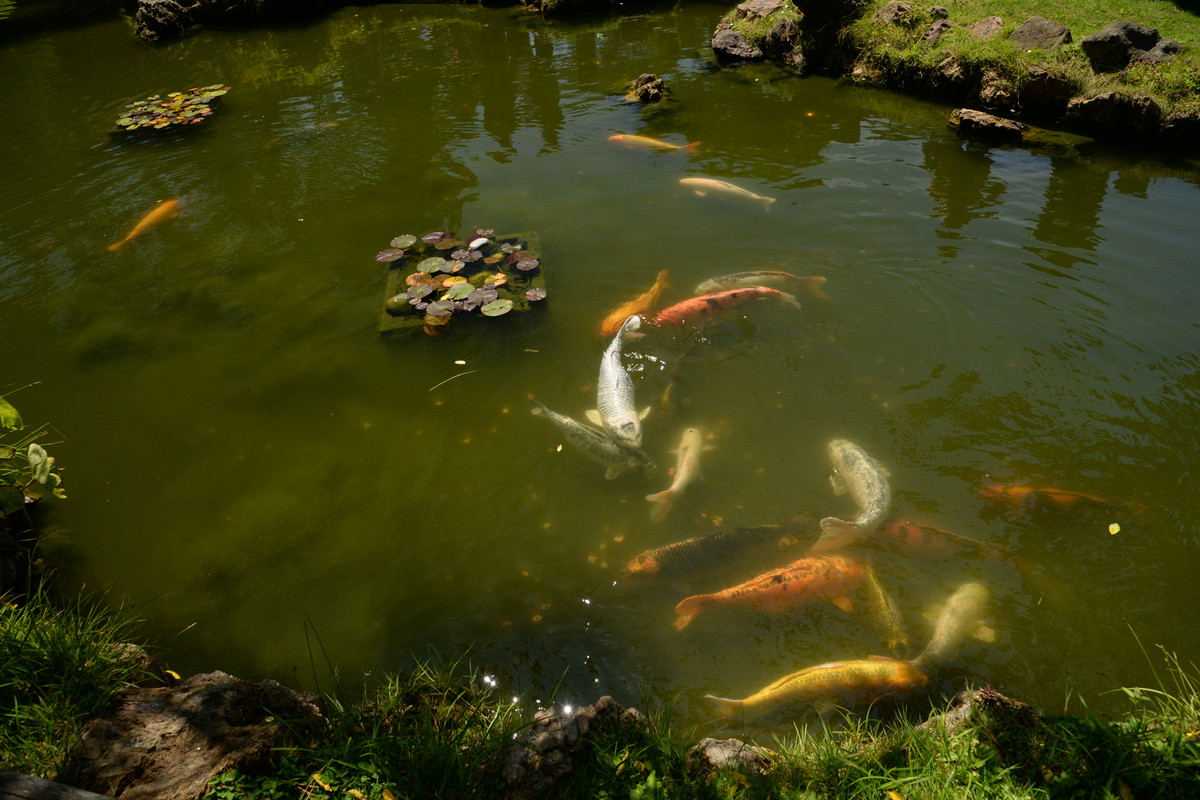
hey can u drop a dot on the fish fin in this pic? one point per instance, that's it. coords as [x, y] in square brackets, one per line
[593, 416]
[723, 707]
[814, 284]
[790, 299]
[843, 603]
[984, 633]
[767, 202]
[683, 622]
[538, 409]
[645, 412]
[699, 193]
[613, 471]
[880, 658]
[690, 146]
[825, 707]
[662, 505]
[689, 607]
[834, 536]
[633, 336]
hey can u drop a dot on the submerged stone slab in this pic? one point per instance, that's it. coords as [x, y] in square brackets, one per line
[988, 127]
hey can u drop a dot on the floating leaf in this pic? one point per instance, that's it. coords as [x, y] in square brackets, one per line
[404, 241]
[421, 305]
[457, 265]
[509, 248]
[483, 295]
[419, 291]
[439, 308]
[453, 280]
[497, 308]
[467, 255]
[416, 278]
[535, 294]
[436, 236]
[387, 256]
[458, 291]
[9, 416]
[526, 264]
[484, 231]
[432, 264]
[447, 244]
[494, 258]
[498, 279]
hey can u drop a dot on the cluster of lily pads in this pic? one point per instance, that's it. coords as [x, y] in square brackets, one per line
[176, 109]
[467, 278]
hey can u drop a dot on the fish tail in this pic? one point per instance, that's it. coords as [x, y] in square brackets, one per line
[814, 286]
[723, 707]
[662, 504]
[688, 608]
[117, 245]
[790, 299]
[690, 146]
[767, 203]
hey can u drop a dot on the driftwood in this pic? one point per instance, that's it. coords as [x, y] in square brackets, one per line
[14, 786]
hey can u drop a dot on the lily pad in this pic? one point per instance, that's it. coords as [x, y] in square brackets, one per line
[457, 265]
[432, 264]
[497, 308]
[485, 232]
[526, 264]
[535, 294]
[497, 279]
[458, 291]
[447, 244]
[483, 295]
[494, 258]
[417, 278]
[439, 308]
[418, 291]
[389, 255]
[453, 280]
[436, 236]
[467, 255]
[404, 241]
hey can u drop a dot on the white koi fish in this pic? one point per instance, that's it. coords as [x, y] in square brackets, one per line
[615, 410]
[705, 186]
[687, 467]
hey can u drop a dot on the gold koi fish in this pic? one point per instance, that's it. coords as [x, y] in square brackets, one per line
[888, 623]
[858, 681]
[162, 211]
[644, 304]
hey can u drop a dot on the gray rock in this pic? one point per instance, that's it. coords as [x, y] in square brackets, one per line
[1045, 93]
[782, 44]
[986, 28]
[939, 12]
[729, 45]
[996, 92]
[896, 12]
[987, 127]
[1182, 126]
[1122, 42]
[757, 9]
[169, 742]
[1040, 33]
[950, 78]
[936, 30]
[1115, 113]
[717, 754]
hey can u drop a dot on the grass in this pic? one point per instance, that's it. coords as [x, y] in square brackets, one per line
[899, 55]
[439, 730]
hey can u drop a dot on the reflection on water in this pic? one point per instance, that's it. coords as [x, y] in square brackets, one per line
[272, 484]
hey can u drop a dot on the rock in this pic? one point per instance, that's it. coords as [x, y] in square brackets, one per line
[717, 754]
[161, 19]
[1115, 113]
[986, 28]
[821, 13]
[996, 92]
[986, 127]
[1040, 33]
[1122, 42]
[647, 88]
[950, 78]
[1044, 93]
[549, 750]
[729, 45]
[782, 44]
[169, 742]
[939, 12]
[757, 9]
[1182, 126]
[936, 30]
[896, 12]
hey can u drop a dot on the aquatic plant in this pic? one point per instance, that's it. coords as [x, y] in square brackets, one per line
[491, 276]
[177, 109]
[27, 472]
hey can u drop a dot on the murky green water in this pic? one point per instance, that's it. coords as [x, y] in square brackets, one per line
[271, 483]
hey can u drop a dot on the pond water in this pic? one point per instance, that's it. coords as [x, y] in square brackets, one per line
[279, 490]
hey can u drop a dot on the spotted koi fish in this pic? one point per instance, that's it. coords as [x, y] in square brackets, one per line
[785, 589]
[709, 305]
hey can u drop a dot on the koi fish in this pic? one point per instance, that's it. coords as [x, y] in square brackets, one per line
[857, 473]
[908, 537]
[595, 444]
[709, 305]
[704, 186]
[703, 552]
[687, 466]
[299, 135]
[615, 410]
[886, 617]
[162, 211]
[960, 616]
[858, 681]
[1027, 498]
[775, 278]
[784, 589]
[646, 142]
[645, 303]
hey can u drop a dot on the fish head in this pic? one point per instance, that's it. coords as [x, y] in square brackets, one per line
[628, 433]
[639, 460]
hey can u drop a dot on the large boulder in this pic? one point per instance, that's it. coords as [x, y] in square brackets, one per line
[1119, 43]
[169, 742]
[1039, 33]
[1110, 113]
[729, 45]
[972, 124]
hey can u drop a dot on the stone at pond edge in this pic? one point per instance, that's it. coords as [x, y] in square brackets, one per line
[1014, 731]
[1116, 113]
[550, 749]
[1119, 43]
[647, 88]
[1040, 33]
[987, 127]
[729, 45]
[986, 28]
[720, 754]
[171, 741]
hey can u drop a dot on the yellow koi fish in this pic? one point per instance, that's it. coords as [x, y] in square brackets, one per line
[648, 143]
[705, 186]
[644, 304]
[162, 211]
[859, 681]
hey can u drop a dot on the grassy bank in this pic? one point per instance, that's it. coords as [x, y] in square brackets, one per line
[900, 54]
[440, 731]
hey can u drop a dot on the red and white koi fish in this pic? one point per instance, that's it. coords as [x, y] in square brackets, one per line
[162, 211]
[709, 305]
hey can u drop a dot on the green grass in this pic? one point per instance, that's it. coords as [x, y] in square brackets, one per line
[898, 56]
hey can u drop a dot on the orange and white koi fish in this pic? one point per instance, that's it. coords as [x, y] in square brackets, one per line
[785, 589]
[162, 211]
[709, 305]
[687, 467]
[648, 143]
[774, 278]
[645, 303]
[1026, 498]
[858, 681]
[706, 186]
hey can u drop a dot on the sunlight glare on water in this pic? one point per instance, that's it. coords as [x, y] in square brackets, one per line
[271, 483]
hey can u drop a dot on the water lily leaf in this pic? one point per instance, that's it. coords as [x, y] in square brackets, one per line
[484, 231]
[497, 308]
[535, 294]
[509, 248]
[421, 305]
[436, 236]
[436, 320]
[483, 295]
[432, 264]
[526, 264]
[494, 258]
[418, 291]
[404, 241]
[457, 265]
[458, 291]
[439, 308]
[392, 254]
[12, 499]
[416, 278]
[467, 255]
[447, 244]
[498, 279]
[453, 280]
[125, 121]
[39, 462]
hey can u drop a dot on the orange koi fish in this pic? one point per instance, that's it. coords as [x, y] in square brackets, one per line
[644, 303]
[162, 211]
[646, 142]
[1026, 498]
[784, 589]
[859, 681]
[708, 305]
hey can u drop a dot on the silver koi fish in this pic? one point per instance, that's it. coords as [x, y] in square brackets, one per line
[615, 410]
[595, 444]
[857, 473]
